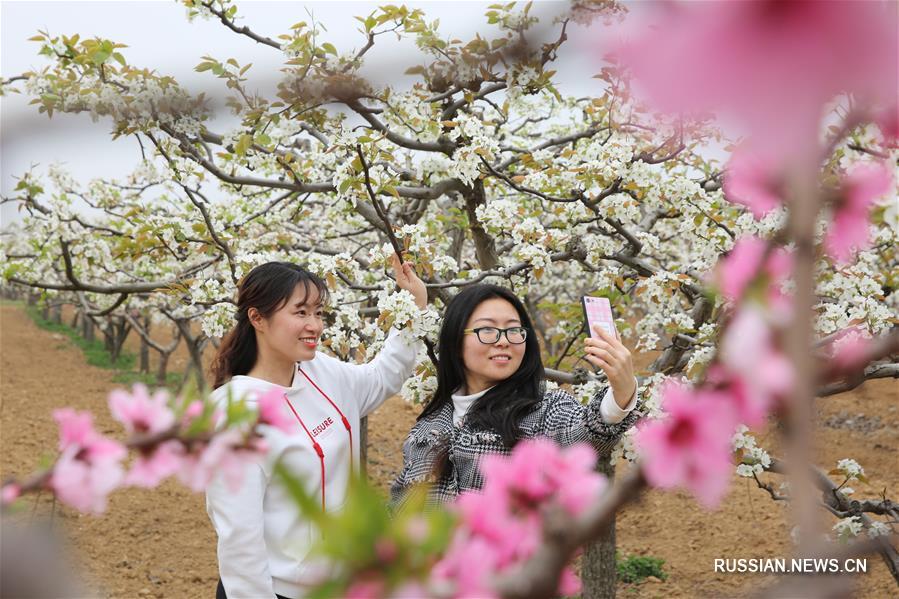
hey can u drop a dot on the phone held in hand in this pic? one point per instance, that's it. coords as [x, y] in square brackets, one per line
[598, 310]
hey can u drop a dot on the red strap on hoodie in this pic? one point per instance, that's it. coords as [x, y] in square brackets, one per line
[315, 445]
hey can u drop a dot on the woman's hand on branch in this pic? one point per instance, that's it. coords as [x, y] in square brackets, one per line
[408, 280]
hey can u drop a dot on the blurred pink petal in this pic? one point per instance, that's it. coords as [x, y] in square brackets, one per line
[75, 428]
[849, 232]
[690, 447]
[740, 266]
[149, 470]
[746, 59]
[748, 351]
[10, 493]
[141, 413]
[850, 350]
[273, 411]
[753, 181]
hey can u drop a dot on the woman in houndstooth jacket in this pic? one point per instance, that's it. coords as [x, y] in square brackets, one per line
[491, 394]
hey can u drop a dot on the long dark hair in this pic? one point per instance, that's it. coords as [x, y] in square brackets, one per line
[266, 288]
[502, 407]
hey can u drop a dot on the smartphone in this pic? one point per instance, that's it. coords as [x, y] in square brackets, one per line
[598, 310]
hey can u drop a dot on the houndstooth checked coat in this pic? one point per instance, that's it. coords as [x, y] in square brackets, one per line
[559, 417]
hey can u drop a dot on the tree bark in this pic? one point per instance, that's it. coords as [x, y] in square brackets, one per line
[162, 369]
[363, 448]
[599, 572]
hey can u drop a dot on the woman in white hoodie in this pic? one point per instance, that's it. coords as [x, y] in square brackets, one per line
[263, 540]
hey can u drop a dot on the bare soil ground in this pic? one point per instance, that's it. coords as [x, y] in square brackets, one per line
[159, 543]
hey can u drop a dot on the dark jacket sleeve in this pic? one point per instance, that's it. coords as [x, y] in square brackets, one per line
[567, 421]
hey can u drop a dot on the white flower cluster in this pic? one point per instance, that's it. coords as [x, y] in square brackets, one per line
[465, 165]
[521, 76]
[755, 459]
[877, 529]
[620, 206]
[699, 358]
[397, 308]
[498, 215]
[848, 528]
[420, 387]
[586, 391]
[850, 468]
[535, 255]
[411, 112]
[211, 290]
[626, 447]
[444, 264]
[651, 393]
[218, 319]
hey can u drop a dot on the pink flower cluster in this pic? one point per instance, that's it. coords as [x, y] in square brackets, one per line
[751, 261]
[501, 525]
[745, 58]
[690, 446]
[91, 466]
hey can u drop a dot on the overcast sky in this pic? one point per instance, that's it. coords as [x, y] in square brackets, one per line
[159, 36]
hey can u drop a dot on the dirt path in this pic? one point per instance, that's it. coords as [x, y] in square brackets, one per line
[160, 544]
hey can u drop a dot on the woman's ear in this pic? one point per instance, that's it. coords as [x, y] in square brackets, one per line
[256, 319]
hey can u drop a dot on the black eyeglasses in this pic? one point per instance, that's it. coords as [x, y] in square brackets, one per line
[490, 335]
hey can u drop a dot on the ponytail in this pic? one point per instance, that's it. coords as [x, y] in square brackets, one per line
[236, 354]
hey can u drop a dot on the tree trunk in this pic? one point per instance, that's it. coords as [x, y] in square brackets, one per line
[363, 447]
[88, 327]
[119, 329]
[56, 314]
[75, 319]
[144, 367]
[162, 369]
[599, 572]
[45, 312]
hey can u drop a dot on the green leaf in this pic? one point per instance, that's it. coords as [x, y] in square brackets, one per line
[329, 48]
[245, 141]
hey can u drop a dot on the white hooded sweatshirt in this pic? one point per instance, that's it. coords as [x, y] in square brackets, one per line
[263, 540]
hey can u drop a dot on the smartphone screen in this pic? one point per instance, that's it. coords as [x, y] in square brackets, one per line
[598, 310]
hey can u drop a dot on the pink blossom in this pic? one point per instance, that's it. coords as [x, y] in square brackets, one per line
[75, 428]
[748, 351]
[690, 447]
[365, 589]
[274, 411]
[90, 466]
[849, 230]
[501, 525]
[850, 350]
[410, 590]
[139, 412]
[417, 529]
[753, 181]
[469, 563]
[194, 410]
[744, 264]
[10, 493]
[569, 584]
[747, 57]
[740, 266]
[151, 469]
[226, 454]
[750, 404]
